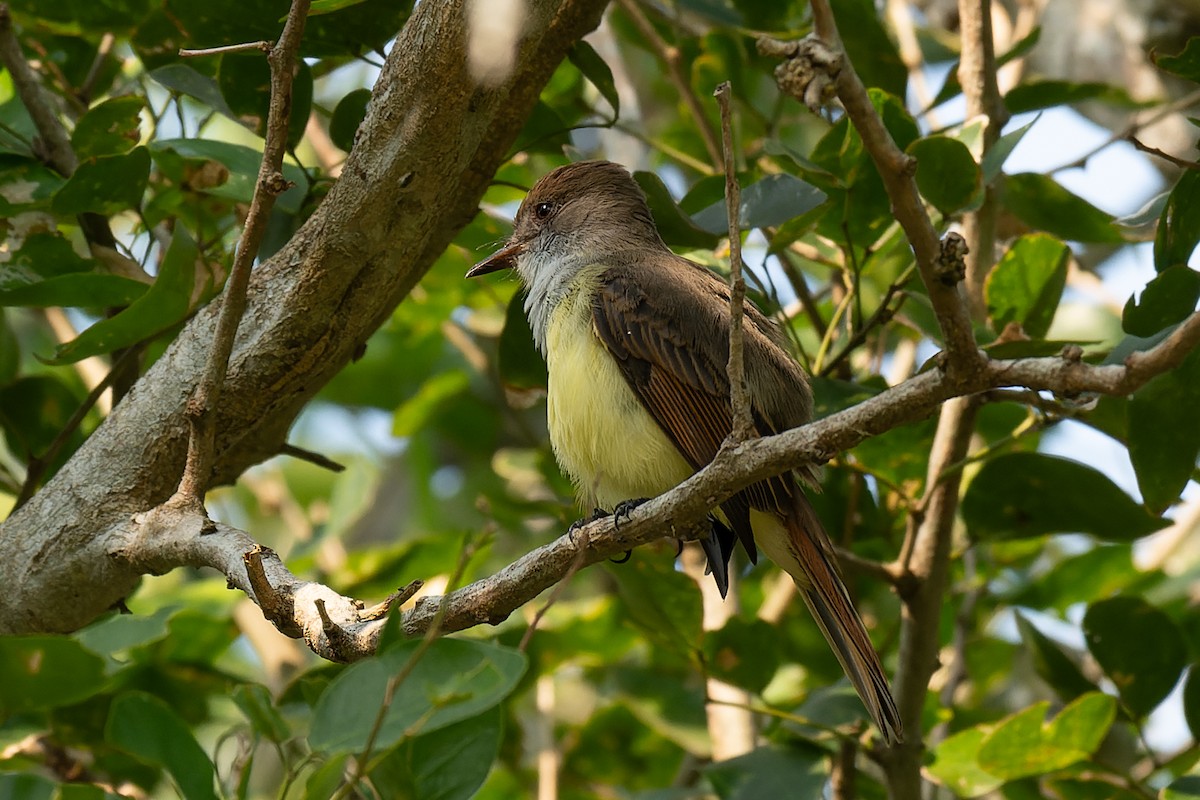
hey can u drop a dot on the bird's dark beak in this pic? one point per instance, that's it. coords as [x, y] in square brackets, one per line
[503, 259]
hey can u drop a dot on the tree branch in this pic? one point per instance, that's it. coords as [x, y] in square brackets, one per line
[56, 145]
[283, 58]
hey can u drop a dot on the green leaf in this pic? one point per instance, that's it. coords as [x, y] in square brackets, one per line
[43, 255]
[1179, 227]
[15, 786]
[121, 632]
[1168, 299]
[350, 112]
[771, 771]
[185, 80]
[597, 71]
[323, 783]
[1024, 744]
[1139, 647]
[947, 174]
[34, 409]
[329, 6]
[869, 47]
[26, 184]
[1100, 571]
[1053, 664]
[243, 163]
[447, 764]
[956, 764]
[769, 202]
[455, 680]
[1164, 433]
[144, 726]
[432, 396]
[81, 290]
[167, 301]
[1185, 64]
[1027, 284]
[521, 365]
[993, 159]
[662, 602]
[1018, 495]
[259, 708]
[111, 128]
[1042, 204]
[675, 227]
[743, 652]
[1035, 95]
[105, 185]
[1185, 788]
[1191, 700]
[39, 672]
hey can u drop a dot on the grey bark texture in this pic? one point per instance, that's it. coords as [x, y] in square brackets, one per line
[431, 141]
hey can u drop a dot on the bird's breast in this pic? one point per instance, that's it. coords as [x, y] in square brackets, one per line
[604, 439]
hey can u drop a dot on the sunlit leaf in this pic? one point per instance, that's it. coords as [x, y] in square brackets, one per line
[947, 174]
[1027, 284]
[1025, 744]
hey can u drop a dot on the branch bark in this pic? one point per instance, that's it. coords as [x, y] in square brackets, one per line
[424, 156]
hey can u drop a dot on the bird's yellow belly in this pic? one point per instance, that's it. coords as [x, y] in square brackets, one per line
[603, 438]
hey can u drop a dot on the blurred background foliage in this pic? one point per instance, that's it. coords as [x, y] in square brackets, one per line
[1062, 601]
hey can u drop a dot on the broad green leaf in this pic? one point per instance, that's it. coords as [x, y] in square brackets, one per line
[1139, 647]
[25, 184]
[1039, 94]
[870, 48]
[1098, 572]
[17, 786]
[1179, 227]
[594, 68]
[349, 114]
[111, 128]
[447, 764]
[243, 163]
[167, 301]
[675, 227]
[418, 409]
[1026, 285]
[144, 726]
[34, 409]
[105, 185]
[770, 771]
[1024, 744]
[39, 672]
[42, 255]
[456, 679]
[956, 765]
[1044, 205]
[323, 783]
[1164, 433]
[1018, 495]
[187, 81]
[259, 707]
[80, 290]
[521, 365]
[743, 652]
[1191, 700]
[769, 202]
[947, 174]
[661, 601]
[993, 159]
[122, 632]
[1185, 788]
[1053, 664]
[1185, 64]
[1168, 299]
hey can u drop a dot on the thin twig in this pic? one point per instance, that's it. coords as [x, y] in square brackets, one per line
[271, 183]
[1135, 124]
[882, 315]
[1154, 151]
[84, 92]
[245, 47]
[672, 58]
[56, 145]
[323, 461]
[581, 540]
[739, 397]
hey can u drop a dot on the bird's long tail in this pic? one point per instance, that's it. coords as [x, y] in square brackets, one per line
[808, 558]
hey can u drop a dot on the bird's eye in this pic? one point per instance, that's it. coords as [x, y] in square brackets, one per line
[543, 210]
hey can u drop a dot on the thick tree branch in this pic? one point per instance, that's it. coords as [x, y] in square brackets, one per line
[168, 538]
[424, 156]
[283, 58]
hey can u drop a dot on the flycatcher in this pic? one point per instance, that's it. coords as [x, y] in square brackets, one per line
[636, 340]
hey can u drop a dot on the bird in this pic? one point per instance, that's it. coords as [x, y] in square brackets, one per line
[636, 343]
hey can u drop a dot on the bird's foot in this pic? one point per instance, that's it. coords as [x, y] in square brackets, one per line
[597, 513]
[625, 508]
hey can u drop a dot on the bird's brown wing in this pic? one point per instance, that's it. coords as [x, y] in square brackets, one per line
[679, 373]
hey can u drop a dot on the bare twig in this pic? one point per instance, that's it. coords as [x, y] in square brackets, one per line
[323, 461]
[271, 183]
[739, 397]
[1183, 163]
[825, 65]
[245, 47]
[55, 144]
[1136, 123]
[582, 543]
[84, 92]
[881, 316]
[672, 58]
